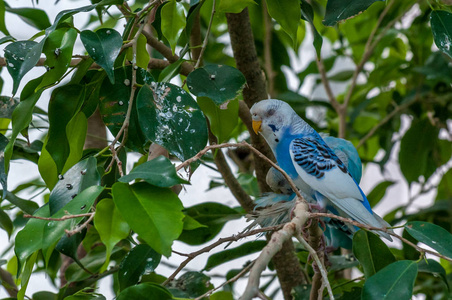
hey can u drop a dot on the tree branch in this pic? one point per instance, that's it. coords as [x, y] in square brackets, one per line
[206, 38]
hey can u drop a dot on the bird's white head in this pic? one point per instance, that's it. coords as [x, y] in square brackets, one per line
[272, 118]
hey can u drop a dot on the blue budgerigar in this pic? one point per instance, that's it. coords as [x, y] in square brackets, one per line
[278, 205]
[312, 164]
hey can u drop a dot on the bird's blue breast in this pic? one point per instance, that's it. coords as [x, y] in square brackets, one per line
[283, 154]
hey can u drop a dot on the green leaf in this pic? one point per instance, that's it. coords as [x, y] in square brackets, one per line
[82, 295]
[287, 14]
[2, 19]
[307, 13]
[110, 225]
[75, 180]
[432, 235]
[159, 172]
[68, 245]
[222, 295]
[441, 22]
[223, 120]
[230, 254]
[445, 186]
[190, 223]
[8, 104]
[140, 260]
[172, 119]
[420, 133]
[3, 176]
[27, 206]
[217, 82]
[171, 71]
[193, 284]
[143, 56]
[433, 267]
[173, 22]
[5, 223]
[339, 10]
[32, 16]
[58, 50]
[54, 230]
[114, 101]
[64, 104]
[234, 6]
[25, 278]
[152, 212]
[394, 282]
[212, 215]
[145, 291]
[103, 46]
[20, 58]
[378, 192]
[372, 253]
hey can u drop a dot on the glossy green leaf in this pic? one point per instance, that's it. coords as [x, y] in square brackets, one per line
[230, 254]
[114, 101]
[142, 56]
[140, 260]
[190, 223]
[172, 119]
[420, 133]
[193, 284]
[54, 230]
[145, 291]
[222, 295]
[287, 14]
[433, 267]
[64, 104]
[5, 222]
[307, 13]
[378, 192]
[152, 212]
[372, 253]
[32, 16]
[441, 22]
[30, 238]
[234, 6]
[26, 206]
[103, 46]
[110, 225]
[394, 282]
[25, 278]
[3, 176]
[171, 71]
[75, 180]
[68, 245]
[82, 295]
[217, 82]
[339, 10]
[8, 104]
[173, 22]
[432, 235]
[213, 215]
[58, 50]
[159, 172]
[2, 19]
[20, 58]
[445, 186]
[223, 119]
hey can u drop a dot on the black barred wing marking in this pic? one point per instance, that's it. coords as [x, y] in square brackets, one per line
[315, 157]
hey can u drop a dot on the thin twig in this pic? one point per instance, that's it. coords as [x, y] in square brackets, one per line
[68, 217]
[357, 224]
[233, 279]
[233, 238]
[206, 38]
[319, 264]
[79, 228]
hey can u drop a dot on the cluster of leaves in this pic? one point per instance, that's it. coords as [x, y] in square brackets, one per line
[138, 216]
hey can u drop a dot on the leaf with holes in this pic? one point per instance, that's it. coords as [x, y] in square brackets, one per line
[441, 22]
[75, 180]
[339, 10]
[171, 118]
[114, 101]
[217, 82]
[103, 46]
[140, 260]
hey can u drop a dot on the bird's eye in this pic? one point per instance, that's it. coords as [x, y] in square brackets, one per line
[254, 115]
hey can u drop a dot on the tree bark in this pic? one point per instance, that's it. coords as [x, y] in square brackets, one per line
[242, 40]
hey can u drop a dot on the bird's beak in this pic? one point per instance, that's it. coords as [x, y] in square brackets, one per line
[257, 126]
